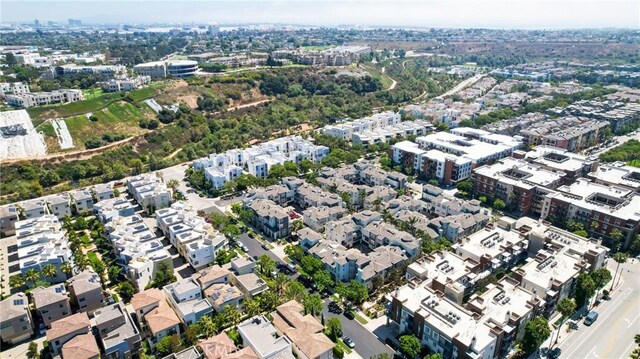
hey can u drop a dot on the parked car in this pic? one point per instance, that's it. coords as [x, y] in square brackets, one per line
[41, 329]
[591, 317]
[265, 246]
[291, 267]
[348, 342]
[349, 315]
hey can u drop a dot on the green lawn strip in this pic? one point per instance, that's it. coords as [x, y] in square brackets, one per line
[343, 346]
[360, 318]
[86, 241]
[46, 129]
[93, 257]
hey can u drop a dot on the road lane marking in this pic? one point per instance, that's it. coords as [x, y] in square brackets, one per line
[593, 352]
[612, 343]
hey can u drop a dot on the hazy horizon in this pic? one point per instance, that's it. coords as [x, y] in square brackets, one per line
[497, 14]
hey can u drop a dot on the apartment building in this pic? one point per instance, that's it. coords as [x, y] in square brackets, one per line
[479, 152]
[270, 219]
[520, 184]
[126, 84]
[154, 315]
[279, 194]
[15, 319]
[102, 191]
[432, 164]
[456, 227]
[161, 69]
[443, 326]
[119, 336]
[572, 165]
[311, 196]
[346, 130]
[51, 303]
[617, 113]
[317, 218]
[446, 272]
[59, 205]
[82, 199]
[108, 209]
[601, 208]
[380, 233]
[32, 99]
[185, 297]
[9, 215]
[617, 174]
[65, 329]
[570, 133]
[304, 331]
[220, 295]
[343, 231]
[150, 192]
[85, 290]
[34, 208]
[104, 71]
[13, 88]
[42, 241]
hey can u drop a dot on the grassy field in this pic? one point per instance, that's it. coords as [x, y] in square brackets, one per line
[118, 117]
[90, 104]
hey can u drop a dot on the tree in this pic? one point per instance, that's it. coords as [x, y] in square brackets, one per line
[585, 288]
[295, 291]
[296, 226]
[499, 204]
[294, 252]
[266, 265]
[617, 236]
[191, 335]
[231, 231]
[269, 300]
[313, 304]
[32, 276]
[280, 283]
[433, 356]
[66, 268]
[32, 352]
[311, 264]
[231, 315]
[207, 327]
[50, 271]
[114, 273]
[566, 307]
[535, 333]
[620, 258]
[164, 275]
[409, 346]
[334, 327]
[251, 307]
[17, 281]
[167, 345]
[126, 290]
[322, 279]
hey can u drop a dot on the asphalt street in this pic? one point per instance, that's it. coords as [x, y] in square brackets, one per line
[367, 344]
[611, 336]
[255, 248]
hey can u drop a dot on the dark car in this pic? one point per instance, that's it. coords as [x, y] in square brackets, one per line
[265, 247]
[348, 342]
[349, 315]
[554, 353]
[291, 267]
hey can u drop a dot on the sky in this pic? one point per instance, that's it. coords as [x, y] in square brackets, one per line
[522, 14]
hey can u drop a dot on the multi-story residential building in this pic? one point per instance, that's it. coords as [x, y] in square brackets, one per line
[108, 209]
[15, 319]
[220, 295]
[81, 346]
[270, 219]
[344, 231]
[550, 276]
[82, 200]
[212, 275]
[258, 159]
[185, 297]
[52, 303]
[304, 331]
[65, 329]
[443, 326]
[347, 130]
[617, 174]
[418, 222]
[447, 273]
[457, 226]
[155, 317]
[380, 233]
[279, 194]
[603, 210]
[13, 88]
[261, 336]
[572, 165]
[317, 218]
[150, 192]
[479, 152]
[520, 184]
[119, 336]
[126, 84]
[33, 99]
[161, 69]
[433, 164]
[42, 241]
[59, 205]
[103, 191]
[493, 248]
[311, 196]
[86, 292]
[570, 133]
[9, 215]
[244, 278]
[34, 208]
[104, 71]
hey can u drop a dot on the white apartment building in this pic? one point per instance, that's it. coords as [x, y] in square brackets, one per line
[106, 71]
[185, 297]
[42, 241]
[59, 205]
[126, 84]
[479, 152]
[13, 88]
[258, 159]
[150, 192]
[108, 209]
[26, 100]
[82, 199]
[34, 208]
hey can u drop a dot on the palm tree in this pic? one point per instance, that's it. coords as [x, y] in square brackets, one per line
[411, 223]
[17, 281]
[377, 203]
[251, 307]
[281, 282]
[231, 315]
[313, 304]
[617, 236]
[269, 300]
[81, 261]
[207, 327]
[619, 258]
[566, 307]
[50, 271]
[66, 268]
[295, 290]
[32, 276]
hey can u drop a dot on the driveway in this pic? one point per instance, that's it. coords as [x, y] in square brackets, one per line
[367, 344]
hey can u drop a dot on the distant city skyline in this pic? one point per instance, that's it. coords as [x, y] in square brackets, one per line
[499, 14]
